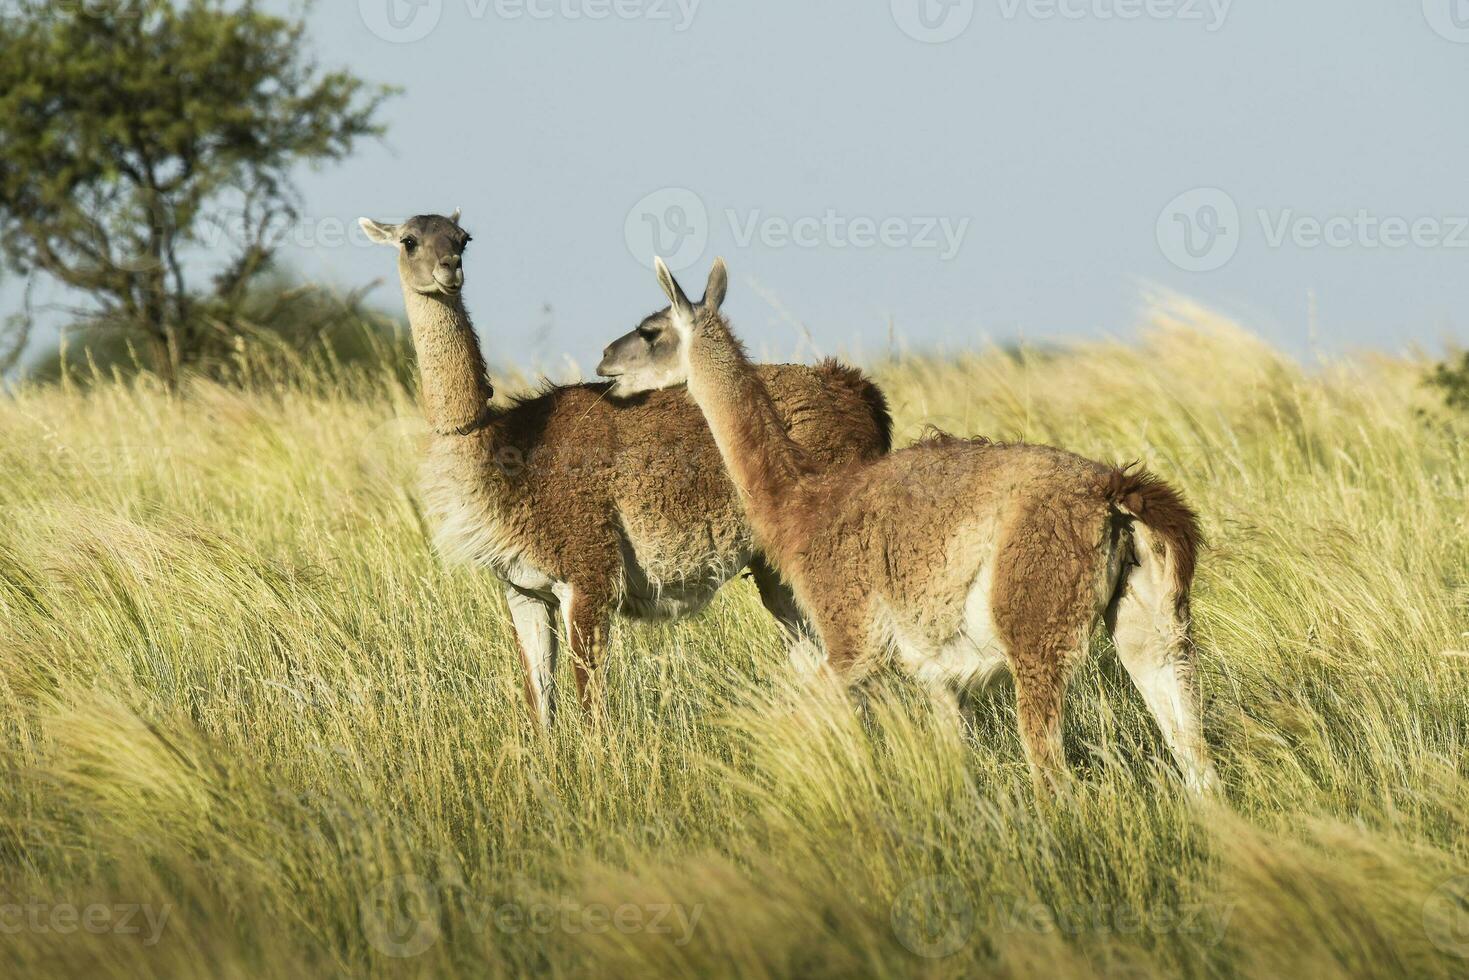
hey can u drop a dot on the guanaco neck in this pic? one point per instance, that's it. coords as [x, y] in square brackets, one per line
[760, 456]
[455, 390]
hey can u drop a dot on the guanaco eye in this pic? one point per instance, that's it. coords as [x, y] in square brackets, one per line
[409, 245]
[648, 334]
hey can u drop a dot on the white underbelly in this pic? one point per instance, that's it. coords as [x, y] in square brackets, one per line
[971, 655]
[663, 583]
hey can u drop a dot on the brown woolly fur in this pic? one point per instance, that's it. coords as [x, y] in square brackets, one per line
[932, 435]
[1146, 497]
[838, 374]
[585, 505]
[960, 558]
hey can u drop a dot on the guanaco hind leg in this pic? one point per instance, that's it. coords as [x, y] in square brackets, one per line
[1152, 636]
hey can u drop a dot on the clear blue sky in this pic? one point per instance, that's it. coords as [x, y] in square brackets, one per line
[1021, 177]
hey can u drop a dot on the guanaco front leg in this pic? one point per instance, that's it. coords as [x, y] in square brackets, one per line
[535, 635]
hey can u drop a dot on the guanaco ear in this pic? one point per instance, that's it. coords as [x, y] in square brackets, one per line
[714, 293]
[676, 296]
[455, 216]
[379, 232]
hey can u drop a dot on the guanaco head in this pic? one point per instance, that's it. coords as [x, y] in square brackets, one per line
[650, 357]
[430, 251]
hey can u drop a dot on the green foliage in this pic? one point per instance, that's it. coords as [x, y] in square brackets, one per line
[137, 133]
[280, 326]
[1453, 380]
[236, 684]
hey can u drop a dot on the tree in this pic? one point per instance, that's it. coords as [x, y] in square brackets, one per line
[1453, 379]
[15, 333]
[136, 132]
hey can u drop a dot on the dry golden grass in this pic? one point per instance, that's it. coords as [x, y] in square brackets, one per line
[241, 697]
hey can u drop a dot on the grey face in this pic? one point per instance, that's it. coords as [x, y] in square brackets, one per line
[645, 359]
[649, 358]
[430, 251]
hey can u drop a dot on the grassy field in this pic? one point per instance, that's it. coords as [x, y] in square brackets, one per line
[252, 727]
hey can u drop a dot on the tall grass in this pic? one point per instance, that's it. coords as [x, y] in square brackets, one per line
[242, 698]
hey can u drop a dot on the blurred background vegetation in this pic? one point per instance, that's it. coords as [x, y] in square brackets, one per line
[146, 156]
[280, 326]
[1452, 378]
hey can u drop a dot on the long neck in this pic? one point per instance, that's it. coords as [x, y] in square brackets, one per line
[451, 368]
[762, 459]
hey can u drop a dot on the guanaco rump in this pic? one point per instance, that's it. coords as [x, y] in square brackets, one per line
[588, 504]
[961, 558]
